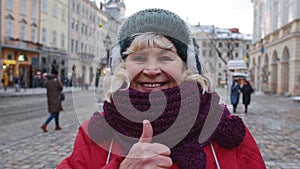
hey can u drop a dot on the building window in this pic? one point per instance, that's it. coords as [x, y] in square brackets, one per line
[73, 24]
[290, 11]
[220, 44]
[32, 34]
[44, 35]
[76, 46]
[55, 10]
[23, 7]
[211, 53]
[44, 60]
[33, 10]
[236, 54]
[72, 46]
[22, 57]
[9, 56]
[73, 6]
[82, 28]
[54, 38]
[77, 8]
[237, 44]
[22, 31]
[10, 5]
[276, 15]
[63, 14]
[77, 25]
[34, 62]
[9, 28]
[44, 6]
[62, 40]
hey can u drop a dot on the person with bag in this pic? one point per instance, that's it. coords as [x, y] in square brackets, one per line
[247, 90]
[54, 88]
[161, 110]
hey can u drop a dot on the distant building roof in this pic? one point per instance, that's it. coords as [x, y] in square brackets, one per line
[220, 33]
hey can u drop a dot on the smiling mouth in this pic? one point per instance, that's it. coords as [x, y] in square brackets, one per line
[153, 85]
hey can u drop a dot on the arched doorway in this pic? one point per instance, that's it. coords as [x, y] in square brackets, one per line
[273, 70]
[284, 78]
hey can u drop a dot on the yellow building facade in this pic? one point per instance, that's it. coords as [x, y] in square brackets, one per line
[19, 40]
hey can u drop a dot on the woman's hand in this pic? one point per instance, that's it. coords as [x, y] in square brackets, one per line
[145, 154]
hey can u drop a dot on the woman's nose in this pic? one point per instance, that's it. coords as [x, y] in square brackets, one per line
[152, 71]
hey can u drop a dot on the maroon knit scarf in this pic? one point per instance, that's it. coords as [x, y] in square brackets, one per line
[173, 125]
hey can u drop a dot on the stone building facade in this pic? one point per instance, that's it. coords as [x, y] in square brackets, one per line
[275, 56]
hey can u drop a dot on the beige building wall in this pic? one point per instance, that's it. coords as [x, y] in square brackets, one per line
[282, 61]
[55, 18]
[276, 30]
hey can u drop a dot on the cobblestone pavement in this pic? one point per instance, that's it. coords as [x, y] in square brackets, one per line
[273, 121]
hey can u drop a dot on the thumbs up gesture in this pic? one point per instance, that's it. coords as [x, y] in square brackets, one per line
[147, 133]
[145, 154]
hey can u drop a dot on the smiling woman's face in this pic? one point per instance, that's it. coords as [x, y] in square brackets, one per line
[154, 68]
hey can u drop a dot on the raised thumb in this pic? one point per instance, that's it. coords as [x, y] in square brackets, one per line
[147, 133]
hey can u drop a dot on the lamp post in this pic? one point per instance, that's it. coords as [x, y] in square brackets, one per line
[103, 61]
[107, 44]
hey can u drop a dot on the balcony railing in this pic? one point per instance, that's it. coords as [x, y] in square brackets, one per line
[21, 44]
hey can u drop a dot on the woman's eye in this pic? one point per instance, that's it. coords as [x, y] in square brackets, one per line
[139, 58]
[165, 58]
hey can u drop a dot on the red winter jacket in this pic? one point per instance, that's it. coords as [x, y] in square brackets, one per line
[88, 155]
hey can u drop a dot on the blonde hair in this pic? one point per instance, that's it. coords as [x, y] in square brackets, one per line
[120, 80]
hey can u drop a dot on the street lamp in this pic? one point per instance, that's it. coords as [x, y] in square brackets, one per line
[103, 61]
[107, 44]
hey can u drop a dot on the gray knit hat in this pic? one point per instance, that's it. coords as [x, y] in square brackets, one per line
[160, 21]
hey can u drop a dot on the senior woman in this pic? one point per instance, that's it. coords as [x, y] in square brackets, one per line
[161, 111]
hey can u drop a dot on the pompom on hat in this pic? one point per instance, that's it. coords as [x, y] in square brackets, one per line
[162, 22]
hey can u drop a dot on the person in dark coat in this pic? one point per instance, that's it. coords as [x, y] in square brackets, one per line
[235, 94]
[247, 90]
[54, 86]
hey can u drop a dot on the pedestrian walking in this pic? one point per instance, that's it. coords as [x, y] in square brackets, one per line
[158, 87]
[16, 84]
[246, 90]
[235, 95]
[54, 87]
[5, 81]
[23, 82]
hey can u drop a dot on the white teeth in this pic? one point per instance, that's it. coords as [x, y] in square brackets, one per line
[152, 85]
